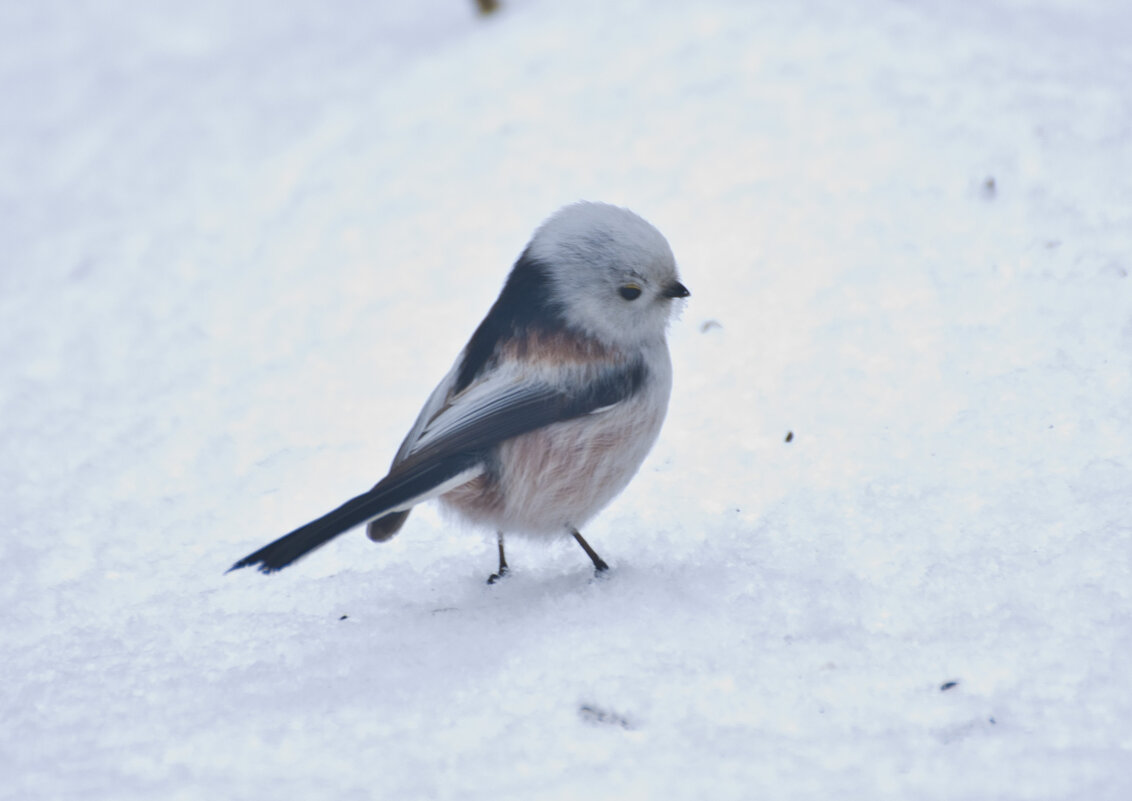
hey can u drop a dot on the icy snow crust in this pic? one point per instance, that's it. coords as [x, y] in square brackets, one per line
[242, 241]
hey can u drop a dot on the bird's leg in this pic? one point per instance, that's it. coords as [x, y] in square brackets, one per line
[599, 564]
[494, 577]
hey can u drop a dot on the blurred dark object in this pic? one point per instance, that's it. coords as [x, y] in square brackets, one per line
[487, 6]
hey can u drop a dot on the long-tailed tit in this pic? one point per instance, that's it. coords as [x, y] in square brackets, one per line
[552, 405]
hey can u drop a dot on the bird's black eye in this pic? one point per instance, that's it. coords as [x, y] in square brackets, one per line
[630, 291]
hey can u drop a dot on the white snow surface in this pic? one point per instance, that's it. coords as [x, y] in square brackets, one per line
[240, 243]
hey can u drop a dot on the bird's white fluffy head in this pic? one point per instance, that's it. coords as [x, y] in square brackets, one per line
[597, 255]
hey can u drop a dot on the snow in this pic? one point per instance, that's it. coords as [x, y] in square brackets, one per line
[241, 243]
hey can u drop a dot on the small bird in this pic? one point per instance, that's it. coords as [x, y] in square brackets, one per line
[552, 405]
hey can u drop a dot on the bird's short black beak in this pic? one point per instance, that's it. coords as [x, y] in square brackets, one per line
[676, 290]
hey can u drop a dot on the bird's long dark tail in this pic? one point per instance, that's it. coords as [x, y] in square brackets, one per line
[396, 490]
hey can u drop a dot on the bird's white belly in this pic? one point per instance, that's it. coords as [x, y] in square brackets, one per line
[564, 474]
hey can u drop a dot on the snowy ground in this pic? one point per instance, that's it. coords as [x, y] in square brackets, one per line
[242, 241]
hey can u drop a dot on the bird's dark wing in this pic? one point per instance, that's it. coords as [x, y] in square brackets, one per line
[453, 446]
